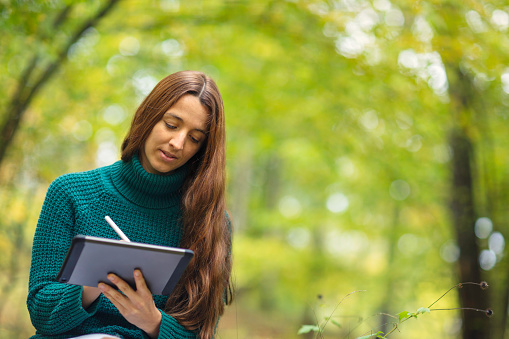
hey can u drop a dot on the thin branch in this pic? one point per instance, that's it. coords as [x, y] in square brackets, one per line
[335, 308]
[24, 95]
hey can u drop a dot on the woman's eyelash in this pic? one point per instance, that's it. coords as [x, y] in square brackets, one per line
[193, 139]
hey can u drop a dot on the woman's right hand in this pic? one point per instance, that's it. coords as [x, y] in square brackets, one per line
[89, 295]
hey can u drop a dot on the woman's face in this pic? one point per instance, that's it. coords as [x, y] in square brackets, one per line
[177, 137]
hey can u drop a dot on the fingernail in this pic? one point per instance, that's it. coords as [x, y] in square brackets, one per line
[111, 277]
[102, 287]
[137, 273]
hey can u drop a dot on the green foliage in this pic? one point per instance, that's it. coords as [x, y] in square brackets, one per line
[401, 317]
[379, 334]
[338, 154]
[309, 328]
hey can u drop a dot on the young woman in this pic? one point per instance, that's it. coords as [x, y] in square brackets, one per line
[168, 189]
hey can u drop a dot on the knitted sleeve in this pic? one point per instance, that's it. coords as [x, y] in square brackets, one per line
[171, 329]
[54, 307]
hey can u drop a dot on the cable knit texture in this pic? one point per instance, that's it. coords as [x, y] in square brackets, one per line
[145, 206]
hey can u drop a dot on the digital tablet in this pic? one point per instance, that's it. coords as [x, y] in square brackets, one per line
[90, 259]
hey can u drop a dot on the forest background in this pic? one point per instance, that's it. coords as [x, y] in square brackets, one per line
[367, 148]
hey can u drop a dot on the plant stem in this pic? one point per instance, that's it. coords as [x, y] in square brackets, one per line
[335, 308]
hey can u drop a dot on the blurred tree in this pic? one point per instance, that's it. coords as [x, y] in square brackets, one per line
[340, 158]
[46, 56]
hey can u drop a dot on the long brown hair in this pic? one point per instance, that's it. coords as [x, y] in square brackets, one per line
[198, 300]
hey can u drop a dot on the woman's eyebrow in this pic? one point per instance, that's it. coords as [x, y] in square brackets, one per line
[182, 120]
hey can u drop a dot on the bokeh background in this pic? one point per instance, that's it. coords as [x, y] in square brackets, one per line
[368, 148]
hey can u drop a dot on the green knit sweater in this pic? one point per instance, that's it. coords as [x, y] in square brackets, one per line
[147, 209]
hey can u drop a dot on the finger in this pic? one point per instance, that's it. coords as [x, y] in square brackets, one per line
[116, 298]
[141, 285]
[121, 285]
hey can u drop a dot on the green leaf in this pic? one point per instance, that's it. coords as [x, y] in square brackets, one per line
[308, 328]
[379, 334]
[335, 323]
[403, 315]
[422, 310]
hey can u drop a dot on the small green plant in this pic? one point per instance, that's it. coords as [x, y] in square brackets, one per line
[400, 318]
[318, 329]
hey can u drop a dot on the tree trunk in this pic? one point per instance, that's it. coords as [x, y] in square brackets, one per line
[475, 324]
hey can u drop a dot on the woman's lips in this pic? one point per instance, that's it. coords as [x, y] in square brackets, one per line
[167, 156]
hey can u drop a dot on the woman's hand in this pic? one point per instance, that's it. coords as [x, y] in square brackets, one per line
[138, 306]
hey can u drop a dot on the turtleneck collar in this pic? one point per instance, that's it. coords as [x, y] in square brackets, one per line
[147, 189]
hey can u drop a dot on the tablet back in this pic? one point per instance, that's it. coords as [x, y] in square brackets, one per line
[90, 259]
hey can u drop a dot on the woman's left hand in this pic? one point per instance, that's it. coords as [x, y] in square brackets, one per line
[138, 306]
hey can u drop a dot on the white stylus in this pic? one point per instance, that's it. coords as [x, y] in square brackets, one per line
[116, 229]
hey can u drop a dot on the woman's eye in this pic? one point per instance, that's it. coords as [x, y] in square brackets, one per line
[193, 139]
[170, 126]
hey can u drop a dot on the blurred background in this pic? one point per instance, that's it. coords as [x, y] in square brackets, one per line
[368, 148]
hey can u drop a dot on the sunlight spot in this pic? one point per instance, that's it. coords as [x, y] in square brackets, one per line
[355, 41]
[172, 48]
[483, 227]
[346, 244]
[82, 130]
[319, 8]
[337, 203]
[497, 243]
[346, 167]
[114, 114]
[475, 22]
[84, 45]
[129, 46]
[107, 153]
[348, 47]
[487, 260]
[505, 81]
[422, 30]
[112, 67]
[382, 5]
[481, 81]
[450, 252]
[399, 190]
[427, 66]
[367, 19]
[411, 244]
[169, 5]
[414, 144]
[500, 19]
[394, 17]
[299, 237]
[289, 207]
[144, 82]
[437, 78]
[408, 59]
[105, 134]
[404, 121]
[369, 120]
[442, 153]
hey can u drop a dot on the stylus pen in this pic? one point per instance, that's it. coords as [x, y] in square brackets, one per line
[116, 229]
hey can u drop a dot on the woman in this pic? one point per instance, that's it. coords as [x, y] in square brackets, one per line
[168, 189]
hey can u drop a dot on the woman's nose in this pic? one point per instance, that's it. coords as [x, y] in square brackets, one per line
[177, 141]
